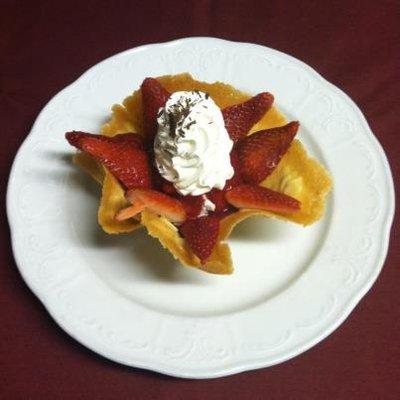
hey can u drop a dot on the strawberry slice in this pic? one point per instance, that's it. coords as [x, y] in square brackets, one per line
[169, 188]
[260, 153]
[121, 155]
[156, 179]
[217, 196]
[241, 117]
[130, 212]
[154, 96]
[157, 202]
[237, 177]
[131, 139]
[192, 204]
[201, 235]
[257, 197]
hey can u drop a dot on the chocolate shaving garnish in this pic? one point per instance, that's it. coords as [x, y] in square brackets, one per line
[179, 111]
[172, 124]
[189, 124]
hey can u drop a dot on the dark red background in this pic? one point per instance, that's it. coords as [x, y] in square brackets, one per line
[44, 47]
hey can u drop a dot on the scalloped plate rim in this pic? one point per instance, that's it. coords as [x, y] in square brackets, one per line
[236, 367]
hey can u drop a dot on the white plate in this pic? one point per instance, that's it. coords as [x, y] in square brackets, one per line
[125, 298]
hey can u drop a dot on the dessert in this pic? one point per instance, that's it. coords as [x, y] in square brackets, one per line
[189, 160]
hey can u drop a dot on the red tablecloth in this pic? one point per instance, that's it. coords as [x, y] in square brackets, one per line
[44, 47]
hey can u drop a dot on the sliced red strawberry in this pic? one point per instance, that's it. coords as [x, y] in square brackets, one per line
[201, 235]
[131, 139]
[237, 177]
[156, 179]
[169, 188]
[130, 212]
[260, 153]
[241, 117]
[218, 198]
[257, 197]
[193, 205]
[154, 96]
[120, 154]
[159, 203]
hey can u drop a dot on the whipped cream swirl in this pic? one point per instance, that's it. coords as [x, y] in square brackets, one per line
[192, 145]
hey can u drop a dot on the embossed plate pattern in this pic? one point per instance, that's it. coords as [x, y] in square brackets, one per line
[126, 299]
